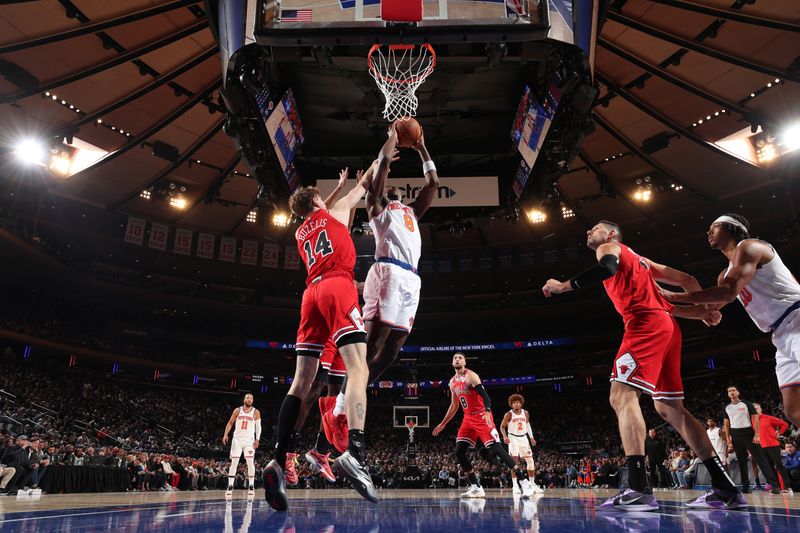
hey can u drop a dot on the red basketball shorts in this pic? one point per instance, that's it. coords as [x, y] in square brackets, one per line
[649, 358]
[474, 428]
[331, 360]
[329, 310]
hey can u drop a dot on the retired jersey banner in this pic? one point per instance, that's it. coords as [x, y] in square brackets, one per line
[249, 253]
[227, 249]
[453, 192]
[183, 242]
[269, 255]
[205, 246]
[134, 231]
[291, 261]
[158, 236]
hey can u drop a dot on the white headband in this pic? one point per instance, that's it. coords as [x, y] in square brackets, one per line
[732, 221]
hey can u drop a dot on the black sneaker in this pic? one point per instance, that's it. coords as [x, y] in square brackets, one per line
[275, 486]
[358, 476]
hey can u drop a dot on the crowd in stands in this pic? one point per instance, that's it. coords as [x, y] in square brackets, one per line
[170, 439]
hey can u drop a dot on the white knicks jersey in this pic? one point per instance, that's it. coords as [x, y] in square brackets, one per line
[397, 234]
[518, 425]
[717, 441]
[245, 427]
[771, 291]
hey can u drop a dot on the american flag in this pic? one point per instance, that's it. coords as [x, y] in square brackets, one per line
[296, 15]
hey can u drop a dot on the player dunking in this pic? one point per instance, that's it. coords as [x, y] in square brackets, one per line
[770, 294]
[329, 309]
[467, 391]
[648, 361]
[392, 287]
[246, 421]
[517, 433]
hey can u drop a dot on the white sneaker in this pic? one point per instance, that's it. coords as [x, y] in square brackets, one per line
[515, 490]
[229, 492]
[474, 492]
[537, 489]
[527, 488]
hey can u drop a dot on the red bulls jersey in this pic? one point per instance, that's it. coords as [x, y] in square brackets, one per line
[325, 246]
[633, 289]
[471, 402]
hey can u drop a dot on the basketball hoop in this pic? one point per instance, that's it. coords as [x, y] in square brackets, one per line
[411, 424]
[399, 70]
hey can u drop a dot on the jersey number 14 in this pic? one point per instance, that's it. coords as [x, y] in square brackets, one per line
[322, 248]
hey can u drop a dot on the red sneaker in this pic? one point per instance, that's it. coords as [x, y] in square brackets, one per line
[338, 430]
[325, 408]
[291, 471]
[320, 463]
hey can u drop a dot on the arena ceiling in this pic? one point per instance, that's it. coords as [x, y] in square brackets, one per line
[675, 78]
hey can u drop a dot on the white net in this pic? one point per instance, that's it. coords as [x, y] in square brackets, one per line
[399, 70]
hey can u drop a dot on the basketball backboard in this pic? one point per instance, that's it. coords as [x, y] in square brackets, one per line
[308, 22]
[403, 413]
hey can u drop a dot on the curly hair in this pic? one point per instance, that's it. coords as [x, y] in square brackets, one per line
[738, 233]
[516, 398]
[301, 203]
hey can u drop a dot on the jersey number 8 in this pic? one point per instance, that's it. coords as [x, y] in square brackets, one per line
[409, 222]
[463, 402]
[322, 248]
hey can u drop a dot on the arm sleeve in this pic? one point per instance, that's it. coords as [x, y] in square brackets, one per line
[529, 430]
[602, 270]
[258, 429]
[486, 401]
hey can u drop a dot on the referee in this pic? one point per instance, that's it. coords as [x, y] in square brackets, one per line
[740, 419]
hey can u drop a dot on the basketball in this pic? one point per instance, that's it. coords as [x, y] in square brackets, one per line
[409, 132]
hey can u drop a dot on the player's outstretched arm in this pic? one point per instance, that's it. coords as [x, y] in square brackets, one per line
[342, 207]
[334, 195]
[606, 266]
[707, 314]
[229, 425]
[428, 192]
[451, 412]
[377, 189]
[745, 261]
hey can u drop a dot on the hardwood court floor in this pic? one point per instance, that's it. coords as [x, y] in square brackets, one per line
[399, 510]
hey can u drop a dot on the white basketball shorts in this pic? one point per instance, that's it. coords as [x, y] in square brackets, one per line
[519, 447]
[391, 296]
[239, 446]
[787, 357]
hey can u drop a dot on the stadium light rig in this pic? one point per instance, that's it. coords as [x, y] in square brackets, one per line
[280, 220]
[31, 152]
[536, 216]
[178, 202]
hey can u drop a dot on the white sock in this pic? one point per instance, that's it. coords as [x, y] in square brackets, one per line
[339, 409]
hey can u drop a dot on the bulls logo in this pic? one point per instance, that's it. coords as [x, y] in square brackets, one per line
[625, 366]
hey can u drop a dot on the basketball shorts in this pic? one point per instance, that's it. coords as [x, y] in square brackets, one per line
[519, 447]
[329, 310]
[239, 446]
[331, 360]
[787, 356]
[391, 296]
[649, 357]
[474, 428]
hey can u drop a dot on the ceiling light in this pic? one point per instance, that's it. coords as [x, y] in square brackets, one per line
[178, 202]
[566, 212]
[252, 215]
[145, 194]
[536, 216]
[280, 219]
[790, 138]
[31, 151]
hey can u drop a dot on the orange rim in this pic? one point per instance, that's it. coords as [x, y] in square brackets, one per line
[392, 80]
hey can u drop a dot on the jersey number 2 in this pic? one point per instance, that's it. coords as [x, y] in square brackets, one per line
[322, 248]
